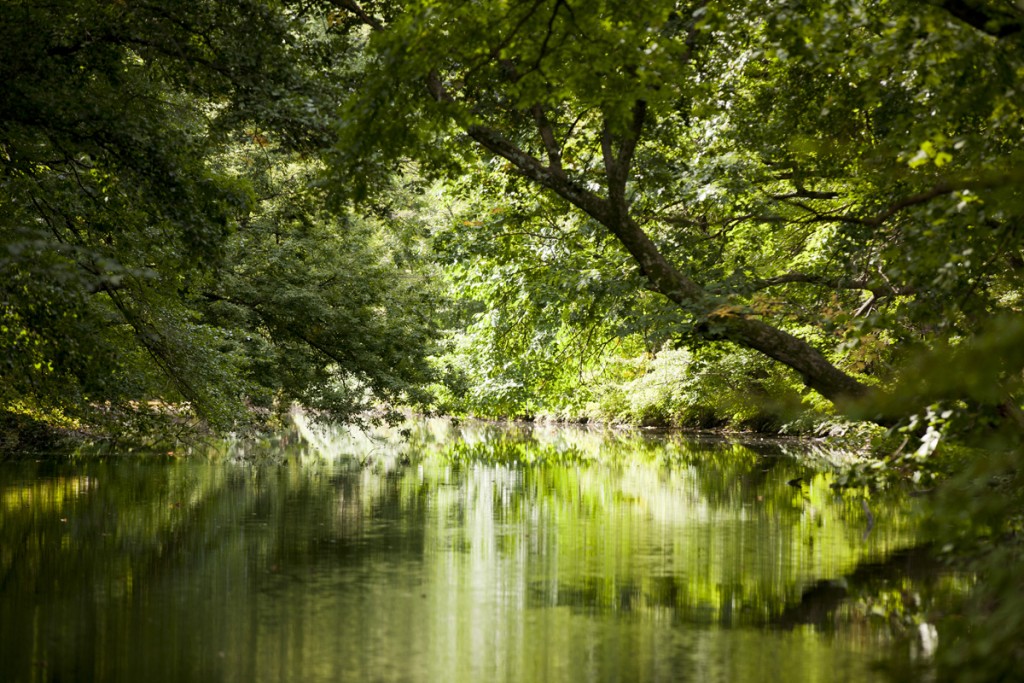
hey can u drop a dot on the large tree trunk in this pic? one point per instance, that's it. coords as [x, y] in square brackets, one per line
[817, 372]
[613, 212]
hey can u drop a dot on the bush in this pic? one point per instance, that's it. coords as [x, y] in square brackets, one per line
[704, 390]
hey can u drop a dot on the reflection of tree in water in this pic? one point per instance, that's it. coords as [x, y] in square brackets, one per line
[742, 541]
[821, 603]
[658, 529]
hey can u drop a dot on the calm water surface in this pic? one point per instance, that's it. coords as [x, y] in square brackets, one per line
[470, 553]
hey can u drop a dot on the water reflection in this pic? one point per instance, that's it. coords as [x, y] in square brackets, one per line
[463, 552]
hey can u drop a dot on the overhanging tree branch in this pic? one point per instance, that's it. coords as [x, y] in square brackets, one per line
[817, 372]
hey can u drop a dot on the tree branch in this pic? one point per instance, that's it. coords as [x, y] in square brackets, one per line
[361, 14]
[613, 213]
[550, 32]
[617, 162]
[877, 289]
[547, 135]
[879, 218]
[939, 190]
[985, 19]
[802, 193]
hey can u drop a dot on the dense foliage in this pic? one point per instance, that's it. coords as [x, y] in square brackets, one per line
[829, 188]
[663, 212]
[161, 242]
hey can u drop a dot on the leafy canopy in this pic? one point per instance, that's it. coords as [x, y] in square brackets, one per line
[159, 237]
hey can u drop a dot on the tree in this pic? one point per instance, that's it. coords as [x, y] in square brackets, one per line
[835, 185]
[157, 243]
[733, 152]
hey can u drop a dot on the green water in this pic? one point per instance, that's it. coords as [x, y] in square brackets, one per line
[471, 553]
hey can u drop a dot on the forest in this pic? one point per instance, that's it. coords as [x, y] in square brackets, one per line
[797, 217]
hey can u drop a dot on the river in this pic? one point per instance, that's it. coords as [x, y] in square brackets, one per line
[452, 552]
